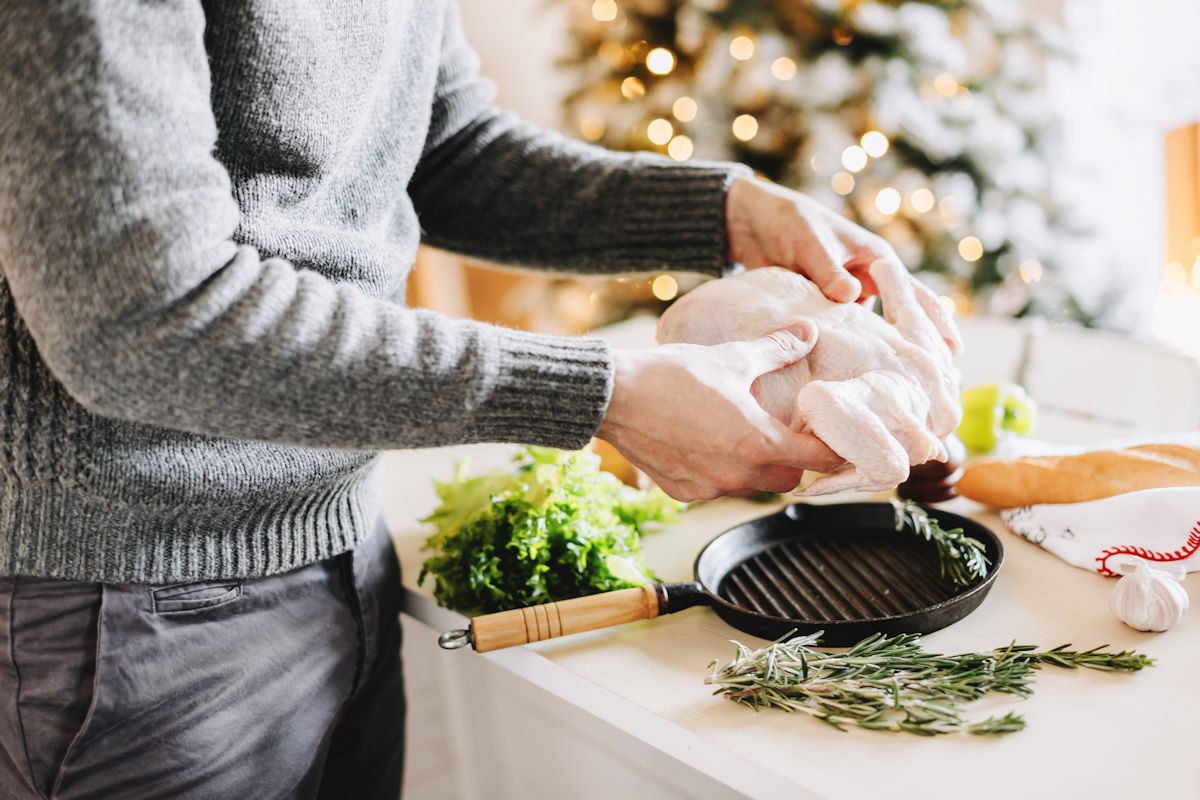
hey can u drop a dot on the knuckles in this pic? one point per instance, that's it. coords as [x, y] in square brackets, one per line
[750, 450]
[884, 250]
[698, 494]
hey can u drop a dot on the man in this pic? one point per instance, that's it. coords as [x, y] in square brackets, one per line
[207, 214]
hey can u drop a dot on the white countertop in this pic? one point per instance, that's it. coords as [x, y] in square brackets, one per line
[1088, 734]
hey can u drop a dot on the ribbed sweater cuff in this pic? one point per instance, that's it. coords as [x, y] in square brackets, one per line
[675, 216]
[551, 390]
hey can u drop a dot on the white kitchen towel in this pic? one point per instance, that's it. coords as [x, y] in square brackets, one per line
[1161, 526]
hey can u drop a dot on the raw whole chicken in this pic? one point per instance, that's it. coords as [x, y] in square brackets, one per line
[881, 394]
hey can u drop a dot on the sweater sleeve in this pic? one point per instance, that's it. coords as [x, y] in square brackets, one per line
[116, 243]
[491, 186]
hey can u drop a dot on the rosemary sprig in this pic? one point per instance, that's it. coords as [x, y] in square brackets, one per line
[890, 683]
[962, 559]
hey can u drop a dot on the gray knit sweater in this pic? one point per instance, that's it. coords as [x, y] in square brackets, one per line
[207, 215]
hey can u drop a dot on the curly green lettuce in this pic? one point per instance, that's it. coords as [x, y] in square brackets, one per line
[557, 527]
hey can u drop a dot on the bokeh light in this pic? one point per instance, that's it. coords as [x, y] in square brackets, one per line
[660, 61]
[741, 48]
[680, 148]
[970, 248]
[1030, 270]
[684, 109]
[591, 127]
[604, 10]
[921, 200]
[875, 143]
[660, 131]
[745, 127]
[887, 201]
[946, 85]
[854, 158]
[665, 287]
[783, 69]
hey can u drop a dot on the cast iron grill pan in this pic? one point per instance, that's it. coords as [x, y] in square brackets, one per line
[823, 578]
[842, 569]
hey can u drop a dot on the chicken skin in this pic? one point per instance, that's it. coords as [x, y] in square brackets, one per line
[882, 394]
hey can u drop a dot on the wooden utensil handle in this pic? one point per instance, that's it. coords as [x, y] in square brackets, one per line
[551, 620]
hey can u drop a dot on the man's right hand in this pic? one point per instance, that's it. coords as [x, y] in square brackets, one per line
[686, 416]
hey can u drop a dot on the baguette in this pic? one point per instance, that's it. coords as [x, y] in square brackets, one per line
[1079, 478]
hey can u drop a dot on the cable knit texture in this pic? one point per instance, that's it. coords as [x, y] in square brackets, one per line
[208, 212]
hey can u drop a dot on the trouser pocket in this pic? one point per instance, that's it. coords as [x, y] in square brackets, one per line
[183, 597]
[214, 689]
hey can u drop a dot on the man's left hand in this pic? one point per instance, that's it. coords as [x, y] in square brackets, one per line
[769, 225]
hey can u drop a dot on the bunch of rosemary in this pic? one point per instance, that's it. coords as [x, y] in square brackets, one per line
[890, 683]
[961, 558]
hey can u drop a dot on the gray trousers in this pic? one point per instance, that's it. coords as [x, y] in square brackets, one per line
[279, 687]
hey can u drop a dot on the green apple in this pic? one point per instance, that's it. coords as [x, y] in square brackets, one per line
[992, 411]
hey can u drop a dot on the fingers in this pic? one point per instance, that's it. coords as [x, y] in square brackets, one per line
[769, 224]
[809, 451]
[684, 491]
[776, 480]
[842, 288]
[784, 447]
[823, 259]
[776, 350]
[737, 470]
[686, 416]
[773, 462]
[861, 271]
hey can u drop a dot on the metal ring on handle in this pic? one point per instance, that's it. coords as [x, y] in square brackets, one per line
[452, 640]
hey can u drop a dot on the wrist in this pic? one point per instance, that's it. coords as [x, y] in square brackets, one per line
[624, 365]
[735, 200]
[743, 213]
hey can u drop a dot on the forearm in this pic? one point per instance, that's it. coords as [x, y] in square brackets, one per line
[513, 193]
[263, 351]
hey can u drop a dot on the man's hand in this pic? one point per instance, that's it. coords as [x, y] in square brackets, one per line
[769, 225]
[685, 415]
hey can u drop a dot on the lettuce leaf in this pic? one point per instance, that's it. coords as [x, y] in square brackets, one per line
[553, 528]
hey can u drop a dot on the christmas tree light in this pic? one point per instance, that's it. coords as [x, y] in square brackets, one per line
[924, 120]
[684, 109]
[660, 131]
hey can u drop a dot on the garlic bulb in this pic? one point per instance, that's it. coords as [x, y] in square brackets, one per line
[1148, 599]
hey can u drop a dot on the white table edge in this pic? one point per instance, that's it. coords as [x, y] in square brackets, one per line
[718, 763]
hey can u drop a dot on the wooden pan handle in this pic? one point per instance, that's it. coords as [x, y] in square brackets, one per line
[551, 620]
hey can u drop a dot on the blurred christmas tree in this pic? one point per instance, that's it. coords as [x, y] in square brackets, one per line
[926, 121]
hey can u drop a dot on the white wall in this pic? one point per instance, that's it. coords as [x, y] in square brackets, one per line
[518, 42]
[1136, 76]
